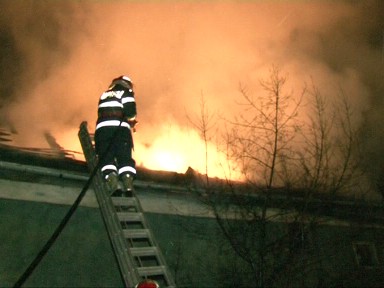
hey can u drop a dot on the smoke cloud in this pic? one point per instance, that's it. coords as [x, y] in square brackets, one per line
[58, 56]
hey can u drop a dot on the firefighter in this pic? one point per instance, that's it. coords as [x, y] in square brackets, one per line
[113, 135]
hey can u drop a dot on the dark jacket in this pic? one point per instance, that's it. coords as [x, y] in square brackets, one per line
[115, 105]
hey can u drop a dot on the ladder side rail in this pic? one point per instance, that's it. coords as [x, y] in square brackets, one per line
[117, 239]
[112, 223]
[152, 250]
[167, 274]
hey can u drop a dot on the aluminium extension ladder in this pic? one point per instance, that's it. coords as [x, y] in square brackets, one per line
[136, 251]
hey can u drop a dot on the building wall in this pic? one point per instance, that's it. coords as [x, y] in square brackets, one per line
[187, 234]
[82, 255]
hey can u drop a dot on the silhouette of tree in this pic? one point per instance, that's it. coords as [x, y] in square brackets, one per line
[287, 158]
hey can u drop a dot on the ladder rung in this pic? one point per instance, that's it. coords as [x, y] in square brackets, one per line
[153, 270]
[129, 216]
[124, 201]
[136, 233]
[144, 251]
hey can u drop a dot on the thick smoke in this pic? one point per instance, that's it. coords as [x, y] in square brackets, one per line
[38, 39]
[58, 56]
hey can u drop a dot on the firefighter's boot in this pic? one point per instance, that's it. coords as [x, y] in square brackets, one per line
[127, 181]
[112, 182]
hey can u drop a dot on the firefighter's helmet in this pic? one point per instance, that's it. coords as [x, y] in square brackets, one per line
[124, 81]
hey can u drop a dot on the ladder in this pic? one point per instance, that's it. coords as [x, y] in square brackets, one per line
[136, 251]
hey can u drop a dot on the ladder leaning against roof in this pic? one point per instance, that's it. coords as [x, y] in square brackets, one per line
[136, 251]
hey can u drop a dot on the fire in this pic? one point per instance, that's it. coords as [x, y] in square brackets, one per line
[167, 160]
[173, 149]
[176, 149]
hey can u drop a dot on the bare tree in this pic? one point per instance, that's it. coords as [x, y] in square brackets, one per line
[330, 153]
[204, 123]
[280, 155]
[262, 141]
